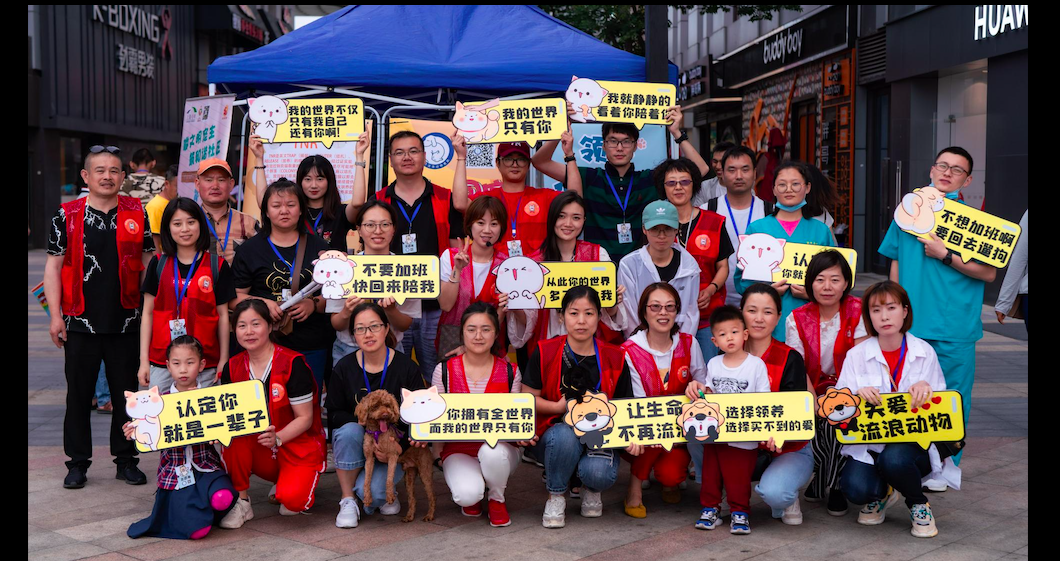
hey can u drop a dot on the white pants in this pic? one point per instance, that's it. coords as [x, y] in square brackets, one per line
[468, 477]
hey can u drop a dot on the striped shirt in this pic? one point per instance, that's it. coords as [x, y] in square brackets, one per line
[603, 213]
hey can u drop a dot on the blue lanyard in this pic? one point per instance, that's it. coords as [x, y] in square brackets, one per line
[629, 189]
[364, 373]
[515, 214]
[901, 359]
[176, 279]
[415, 211]
[228, 229]
[316, 222]
[750, 213]
[286, 262]
[599, 366]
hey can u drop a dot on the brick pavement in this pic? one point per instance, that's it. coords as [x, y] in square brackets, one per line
[91, 522]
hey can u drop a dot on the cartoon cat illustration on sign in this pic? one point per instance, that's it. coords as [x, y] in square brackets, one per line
[521, 278]
[478, 123]
[332, 270]
[759, 256]
[421, 406]
[143, 408]
[267, 112]
[917, 211]
[585, 95]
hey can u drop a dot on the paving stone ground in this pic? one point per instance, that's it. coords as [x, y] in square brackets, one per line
[986, 519]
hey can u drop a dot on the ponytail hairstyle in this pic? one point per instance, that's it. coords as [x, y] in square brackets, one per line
[185, 341]
[822, 193]
[550, 245]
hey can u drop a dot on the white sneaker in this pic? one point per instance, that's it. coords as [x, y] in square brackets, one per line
[935, 486]
[793, 514]
[592, 504]
[330, 466]
[349, 513]
[391, 508]
[239, 515]
[874, 513]
[272, 496]
[555, 512]
[284, 511]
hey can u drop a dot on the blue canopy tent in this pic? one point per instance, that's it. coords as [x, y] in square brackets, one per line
[394, 57]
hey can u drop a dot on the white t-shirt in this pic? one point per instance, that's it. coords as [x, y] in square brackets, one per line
[737, 222]
[829, 331]
[749, 377]
[480, 271]
[708, 189]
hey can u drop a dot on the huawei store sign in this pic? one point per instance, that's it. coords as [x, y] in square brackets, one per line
[995, 20]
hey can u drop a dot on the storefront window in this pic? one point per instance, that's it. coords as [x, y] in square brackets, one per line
[70, 155]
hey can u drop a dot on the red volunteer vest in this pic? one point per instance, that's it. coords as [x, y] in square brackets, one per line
[465, 297]
[704, 243]
[199, 310]
[776, 358]
[130, 241]
[808, 322]
[530, 215]
[680, 372]
[498, 383]
[611, 361]
[308, 448]
[440, 207]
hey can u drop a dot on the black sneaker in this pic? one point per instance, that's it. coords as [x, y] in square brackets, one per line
[131, 475]
[812, 494]
[76, 478]
[837, 503]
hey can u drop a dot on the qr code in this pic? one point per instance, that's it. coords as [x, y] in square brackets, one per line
[480, 155]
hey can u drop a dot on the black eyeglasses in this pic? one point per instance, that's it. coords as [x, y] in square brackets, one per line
[99, 148]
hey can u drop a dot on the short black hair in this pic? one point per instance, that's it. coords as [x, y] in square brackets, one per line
[172, 172]
[960, 152]
[726, 313]
[282, 185]
[142, 156]
[404, 134]
[737, 151]
[722, 147]
[185, 341]
[620, 128]
[581, 291]
[762, 288]
[685, 165]
[358, 219]
[826, 260]
[169, 245]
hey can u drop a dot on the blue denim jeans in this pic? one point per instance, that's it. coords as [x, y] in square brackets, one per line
[348, 446]
[421, 335]
[317, 361]
[339, 350]
[703, 336]
[562, 454]
[784, 476]
[102, 389]
[901, 466]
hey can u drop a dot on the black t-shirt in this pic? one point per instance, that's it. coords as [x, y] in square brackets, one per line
[793, 379]
[300, 385]
[346, 388]
[532, 376]
[256, 267]
[667, 273]
[724, 249]
[333, 231]
[101, 290]
[424, 226]
[224, 287]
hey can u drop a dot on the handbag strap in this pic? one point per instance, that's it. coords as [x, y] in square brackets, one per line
[296, 274]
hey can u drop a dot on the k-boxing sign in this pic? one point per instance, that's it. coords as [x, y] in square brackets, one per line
[620, 102]
[323, 120]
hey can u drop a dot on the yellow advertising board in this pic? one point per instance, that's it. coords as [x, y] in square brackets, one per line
[669, 420]
[219, 413]
[468, 417]
[896, 419]
[639, 103]
[532, 285]
[323, 120]
[968, 232]
[377, 276]
[797, 258]
[764, 258]
[440, 159]
[497, 120]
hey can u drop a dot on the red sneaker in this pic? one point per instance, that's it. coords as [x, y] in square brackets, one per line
[498, 514]
[473, 511]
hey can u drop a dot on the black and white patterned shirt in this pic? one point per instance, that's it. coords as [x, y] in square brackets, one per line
[102, 290]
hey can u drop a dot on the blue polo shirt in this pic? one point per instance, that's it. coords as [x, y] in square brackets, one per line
[946, 303]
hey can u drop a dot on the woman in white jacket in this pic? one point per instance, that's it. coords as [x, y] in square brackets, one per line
[892, 361]
[661, 260]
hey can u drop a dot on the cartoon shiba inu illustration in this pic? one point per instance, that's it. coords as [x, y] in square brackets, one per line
[840, 409]
[421, 406]
[701, 420]
[143, 408]
[332, 270]
[591, 417]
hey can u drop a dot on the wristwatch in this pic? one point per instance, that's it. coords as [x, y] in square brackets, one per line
[570, 158]
[362, 164]
[682, 138]
[949, 257]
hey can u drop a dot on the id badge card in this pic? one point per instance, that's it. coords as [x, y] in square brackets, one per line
[177, 328]
[408, 243]
[285, 295]
[625, 234]
[185, 478]
[515, 248]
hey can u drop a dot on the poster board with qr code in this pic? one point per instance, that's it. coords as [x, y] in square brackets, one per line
[966, 231]
[531, 285]
[638, 103]
[895, 419]
[468, 417]
[497, 120]
[323, 120]
[440, 159]
[220, 413]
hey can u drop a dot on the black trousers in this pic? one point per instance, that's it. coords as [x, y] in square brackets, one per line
[84, 352]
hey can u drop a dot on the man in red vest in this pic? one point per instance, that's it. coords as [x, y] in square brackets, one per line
[98, 248]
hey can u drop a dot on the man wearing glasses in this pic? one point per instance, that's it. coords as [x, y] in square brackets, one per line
[615, 196]
[97, 251]
[946, 293]
[527, 206]
[427, 224]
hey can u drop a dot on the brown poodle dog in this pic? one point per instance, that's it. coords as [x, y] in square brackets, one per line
[379, 414]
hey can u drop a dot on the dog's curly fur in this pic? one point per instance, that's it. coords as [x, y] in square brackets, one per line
[379, 406]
